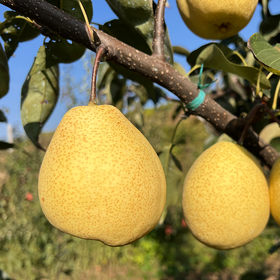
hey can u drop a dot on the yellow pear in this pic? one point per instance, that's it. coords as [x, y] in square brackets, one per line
[100, 178]
[216, 19]
[274, 191]
[225, 197]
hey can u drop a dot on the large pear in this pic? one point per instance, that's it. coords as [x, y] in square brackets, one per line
[216, 19]
[100, 178]
[274, 191]
[225, 197]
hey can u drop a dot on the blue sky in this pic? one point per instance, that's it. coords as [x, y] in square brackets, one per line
[22, 60]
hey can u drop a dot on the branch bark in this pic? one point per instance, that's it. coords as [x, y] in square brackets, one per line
[159, 31]
[151, 67]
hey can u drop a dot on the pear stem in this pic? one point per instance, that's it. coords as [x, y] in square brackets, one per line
[102, 49]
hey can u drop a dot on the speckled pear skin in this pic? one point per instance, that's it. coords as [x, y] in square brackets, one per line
[100, 178]
[225, 197]
[216, 19]
[274, 191]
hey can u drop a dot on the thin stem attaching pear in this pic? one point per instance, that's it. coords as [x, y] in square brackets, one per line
[99, 53]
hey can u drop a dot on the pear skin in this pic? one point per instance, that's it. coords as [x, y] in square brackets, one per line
[216, 19]
[274, 191]
[225, 197]
[100, 178]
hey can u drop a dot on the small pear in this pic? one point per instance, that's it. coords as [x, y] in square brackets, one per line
[100, 178]
[216, 19]
[274, 191]
[225, 197]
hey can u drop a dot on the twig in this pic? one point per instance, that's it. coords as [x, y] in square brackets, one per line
[252, 117]
[159, 31]
[101, 50]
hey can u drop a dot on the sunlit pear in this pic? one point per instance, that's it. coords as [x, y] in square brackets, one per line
[216, 19]
[225, 197]
[274, 191]
[100, 178]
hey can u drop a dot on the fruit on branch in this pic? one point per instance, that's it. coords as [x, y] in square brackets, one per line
[225, 197]
[274, 191]
[216, 19]
[100, 178]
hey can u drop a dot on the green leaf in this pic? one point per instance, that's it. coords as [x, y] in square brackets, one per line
[228, 53]
[117, 91]
[4, 73]
[72, 7]
[205, 78]
[103, 70]
[113, 87]
[174, 178]
[159, 93]
[136, 115]
[137, 78]
[107, 80]
[270, 27]
[265, 9]
[15, 30]
[2, 117]
[64, 51]
[138, 14]
[178, 110]
[180, 50]
[227, 102]
[120, 30]
[167, 48]
[5, 145]
[226, 138]
[238, 85]
[275, 143]
[140, 91]
[180, 69]
[265, 54]
[271, 134]
[213, 57]
[39, 95]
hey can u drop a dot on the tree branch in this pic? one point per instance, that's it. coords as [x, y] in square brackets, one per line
[150, 67]
[159, 32]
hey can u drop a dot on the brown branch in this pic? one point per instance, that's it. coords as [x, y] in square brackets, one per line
[250, 119]
[159, 32]
[150, 67]
[101, 50]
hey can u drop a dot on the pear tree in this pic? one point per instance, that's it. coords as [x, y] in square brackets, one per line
[138, 58]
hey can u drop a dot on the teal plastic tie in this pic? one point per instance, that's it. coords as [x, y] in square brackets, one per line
[199, 85]
[201, 95]
[194, 104]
